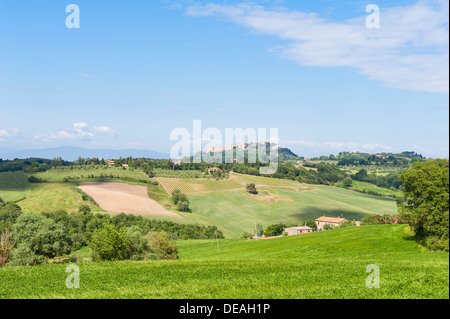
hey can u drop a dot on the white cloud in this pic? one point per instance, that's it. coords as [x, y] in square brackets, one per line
[342, 146]
[103, 130]
[377, 146]
[4, 133]
[62, 135]
[409, 51]
[79, 126]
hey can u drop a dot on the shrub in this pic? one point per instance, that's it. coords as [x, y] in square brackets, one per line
[108, 243]
[183, 206]
[251, 188]
[160, 243]
[274, 230]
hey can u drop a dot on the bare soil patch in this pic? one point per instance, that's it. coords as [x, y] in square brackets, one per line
[123, 198]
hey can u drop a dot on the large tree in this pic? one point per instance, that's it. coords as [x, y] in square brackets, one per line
[425, 203]
[38, 238]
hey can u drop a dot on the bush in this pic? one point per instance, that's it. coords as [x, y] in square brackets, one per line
[183, 206]
[246, 235]
[251, 188]
[108, 243]
[274, 230]
[160, 243]
[139, 246]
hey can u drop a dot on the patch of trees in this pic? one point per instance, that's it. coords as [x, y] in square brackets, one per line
[391, 180]
[181, 201]
[40, 237]
[375, 219]
[274, 230]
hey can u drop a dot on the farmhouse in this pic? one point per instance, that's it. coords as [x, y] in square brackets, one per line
[334, 221]
[110, 163]
[213, 169]
[298, 230]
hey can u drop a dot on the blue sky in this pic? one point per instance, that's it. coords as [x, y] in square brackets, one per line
[136, 70]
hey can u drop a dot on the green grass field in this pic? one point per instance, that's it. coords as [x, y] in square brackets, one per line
[368, 187]
[47, 197]
[81, 174]
[329, 264]
[236, 181]
[13, 186]
[13, 181]
[236, 212]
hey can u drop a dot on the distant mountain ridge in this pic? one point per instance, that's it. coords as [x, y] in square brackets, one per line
[69, 153]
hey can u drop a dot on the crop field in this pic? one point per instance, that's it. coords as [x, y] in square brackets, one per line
[84, 174]
[47, 197]
[12, 196]
[235, 182]
[119, 198]
[368, 187]
[168, 173]
[13, 181]
[330, 264]
[237, 212]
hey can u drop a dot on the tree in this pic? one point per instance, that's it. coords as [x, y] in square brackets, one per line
[38, 238]
[251, 188]
[160, 243]
[181, 200]
[259, 230]
[311, 223]
[328, 227]
[425, 203]
[274, 230]
[347, 182]
[109, 243]
[139, 247]
[183, 206]
[6, 245]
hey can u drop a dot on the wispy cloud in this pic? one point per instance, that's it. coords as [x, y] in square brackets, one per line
[79, 131]
[85, 75]
[409, 51]
[103, 130]
[4, 133]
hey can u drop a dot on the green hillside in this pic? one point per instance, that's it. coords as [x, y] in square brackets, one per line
[237, 212]
[329, 264]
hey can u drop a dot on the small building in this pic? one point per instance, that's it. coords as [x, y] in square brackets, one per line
[333, 221]
[298, 230]
[213, 169]
[125, 165]
[110, 163]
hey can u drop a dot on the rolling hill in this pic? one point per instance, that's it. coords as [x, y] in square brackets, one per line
[330, 264]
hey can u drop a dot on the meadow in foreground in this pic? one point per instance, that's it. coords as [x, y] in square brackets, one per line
[330, 264]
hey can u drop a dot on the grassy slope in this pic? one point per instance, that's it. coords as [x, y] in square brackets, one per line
[374, 188]
[328, 264]
[81, 174]
[236, 212]
[47, 197]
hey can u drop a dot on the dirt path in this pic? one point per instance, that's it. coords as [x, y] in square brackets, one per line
[123, 198]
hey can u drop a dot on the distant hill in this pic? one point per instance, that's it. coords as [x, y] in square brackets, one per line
[69, 153]
[284, 154]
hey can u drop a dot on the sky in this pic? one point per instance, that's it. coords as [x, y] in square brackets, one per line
[134, 71]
